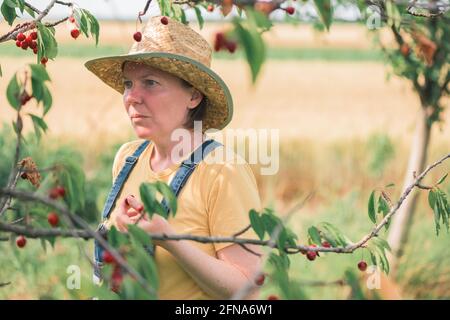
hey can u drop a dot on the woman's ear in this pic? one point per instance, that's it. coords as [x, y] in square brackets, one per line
[196, 98]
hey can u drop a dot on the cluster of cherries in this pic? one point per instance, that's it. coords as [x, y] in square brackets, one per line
[29, 41]
[221, 42]
[117, 275]
[75, 32]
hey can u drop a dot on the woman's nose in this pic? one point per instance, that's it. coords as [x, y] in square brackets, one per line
[132, 95]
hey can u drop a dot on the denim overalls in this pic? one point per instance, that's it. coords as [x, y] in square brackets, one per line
[179, 180]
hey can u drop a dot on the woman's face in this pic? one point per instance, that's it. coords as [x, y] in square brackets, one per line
[156, 101]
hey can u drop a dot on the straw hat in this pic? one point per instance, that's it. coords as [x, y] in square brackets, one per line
[179, 50]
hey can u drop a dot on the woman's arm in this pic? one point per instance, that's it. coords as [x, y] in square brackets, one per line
[220, 277]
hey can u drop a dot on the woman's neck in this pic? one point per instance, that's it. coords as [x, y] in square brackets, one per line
[167, 152]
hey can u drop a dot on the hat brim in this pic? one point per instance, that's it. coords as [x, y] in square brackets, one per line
[219, 108]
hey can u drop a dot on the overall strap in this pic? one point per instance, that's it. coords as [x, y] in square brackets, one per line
[121, 178]
[187, 167]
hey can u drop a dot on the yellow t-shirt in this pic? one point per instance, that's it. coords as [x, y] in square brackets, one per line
[215, 201]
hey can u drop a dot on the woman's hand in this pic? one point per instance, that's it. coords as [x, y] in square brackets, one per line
[131, 211]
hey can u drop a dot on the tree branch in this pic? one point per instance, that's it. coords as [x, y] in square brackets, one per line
[80, 222]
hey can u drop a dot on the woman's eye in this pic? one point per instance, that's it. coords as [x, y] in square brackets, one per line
[127, 84]
[149, 82]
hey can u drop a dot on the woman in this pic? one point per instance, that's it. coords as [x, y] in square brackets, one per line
[166, 85]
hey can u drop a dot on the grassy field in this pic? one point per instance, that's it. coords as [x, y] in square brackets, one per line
[344, 131]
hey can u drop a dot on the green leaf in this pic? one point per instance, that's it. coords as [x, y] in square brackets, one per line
[139, 235]
[199, 17]
[148, 197]
[30, 12]
[8, 11]
[38, 125]
[21, 4]
[315, 235]
[442, 179]
[437, 217]
[257, 223]
[47, 99]
[444, 208]
[383, 207]
[270, 222]
[371, 207]
[94, 26]
[333, 234]
[48, 47]
[13, 92]
[259, 19]
[431, 198]
[39, 72]
[164, 6]
[281, 241]
[393, 14]
[254, 47]
[183, 17]
[325, 11]
[36, 87]
[168, 195]
[39, 122]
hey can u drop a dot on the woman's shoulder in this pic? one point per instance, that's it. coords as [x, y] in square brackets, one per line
[125, 150]
[223, 160]
[128, 148]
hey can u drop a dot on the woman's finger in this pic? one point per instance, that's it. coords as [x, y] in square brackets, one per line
[132, 202]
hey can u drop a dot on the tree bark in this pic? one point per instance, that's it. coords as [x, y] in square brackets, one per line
[402, 221]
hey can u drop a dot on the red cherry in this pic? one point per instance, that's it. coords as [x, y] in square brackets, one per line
[108, 257]
[164, 20]
[18, 43]
[29, 39]
[53, 193]
[219, 41]
[362, 265]
[137, 36]
[260, 280]
[273, 297]
[33, 44]
[290, 10]
[231, 46]
[72, 19]
[24, 45]
[34, 35]
[44, 60]
[61, 191]
[24, 98]
[75, 33]
[210, 8]
[116, 279]
[53, 219]
[311, 255]
[326, 244]
[35, 50]
[404, 49]
[20, 36]
[21, 241]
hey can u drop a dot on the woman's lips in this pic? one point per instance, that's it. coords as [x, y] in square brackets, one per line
[138, 116]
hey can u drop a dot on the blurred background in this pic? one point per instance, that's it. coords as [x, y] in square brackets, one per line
[345, 124]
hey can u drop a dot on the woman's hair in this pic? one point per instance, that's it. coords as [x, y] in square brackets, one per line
[195, 114]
